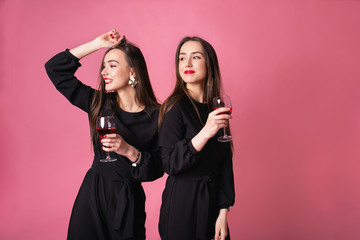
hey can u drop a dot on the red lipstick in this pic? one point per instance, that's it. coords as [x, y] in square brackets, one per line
[189, 72]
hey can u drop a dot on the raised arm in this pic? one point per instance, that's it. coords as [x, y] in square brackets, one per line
[61, 69]
[106, 40]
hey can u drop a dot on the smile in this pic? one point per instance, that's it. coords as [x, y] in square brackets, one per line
[189, 72]
[107, 80]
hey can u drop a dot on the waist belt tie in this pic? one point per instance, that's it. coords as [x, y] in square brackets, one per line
[124, 209]
[203, 208]
[122, 204]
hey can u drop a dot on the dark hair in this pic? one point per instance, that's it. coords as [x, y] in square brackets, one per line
[212, 86]
[144, 92]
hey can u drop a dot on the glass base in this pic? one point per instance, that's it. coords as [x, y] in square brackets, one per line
[108, 160]
[225, 138]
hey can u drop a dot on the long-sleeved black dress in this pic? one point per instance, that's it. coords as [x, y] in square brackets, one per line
[199, 183]
[111, 201]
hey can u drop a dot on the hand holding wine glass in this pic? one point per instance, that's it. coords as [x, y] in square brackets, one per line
[105, 125]
[219, 102]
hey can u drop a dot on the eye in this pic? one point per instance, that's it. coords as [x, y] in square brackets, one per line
[113, 66]
[197, 57]
[182, 58]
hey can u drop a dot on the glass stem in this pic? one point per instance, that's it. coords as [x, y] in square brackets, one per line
[225, 134]
[107, 155]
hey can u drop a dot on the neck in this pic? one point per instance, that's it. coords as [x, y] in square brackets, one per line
[128, 101]
[196, 91]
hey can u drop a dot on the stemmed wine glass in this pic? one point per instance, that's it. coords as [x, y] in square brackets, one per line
[105, 125]
[219, 102]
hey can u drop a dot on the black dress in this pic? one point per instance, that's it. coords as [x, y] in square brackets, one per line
[199, 183]
[111, 201]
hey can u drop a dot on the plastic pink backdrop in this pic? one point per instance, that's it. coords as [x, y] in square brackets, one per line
[292, 69]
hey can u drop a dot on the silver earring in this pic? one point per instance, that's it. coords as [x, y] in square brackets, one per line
[132, 82]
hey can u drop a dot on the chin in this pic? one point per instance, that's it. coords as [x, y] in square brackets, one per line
[188, 79]
[109, 89]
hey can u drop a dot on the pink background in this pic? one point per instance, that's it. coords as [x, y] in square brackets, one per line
[292, 69]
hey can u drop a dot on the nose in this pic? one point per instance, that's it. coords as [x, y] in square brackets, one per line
[188, 62]
[104, 72]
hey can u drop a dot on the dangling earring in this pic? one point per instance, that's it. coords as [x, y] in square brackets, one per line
[132, 81]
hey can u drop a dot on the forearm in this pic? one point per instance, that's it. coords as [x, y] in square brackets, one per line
[86, 49]
[223, 213]
[200, 140]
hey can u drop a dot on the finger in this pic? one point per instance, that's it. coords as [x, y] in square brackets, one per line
[217, 234]
[110, 135]
[223, 116]
[223, 124]
[119, 40]
[223, 233]
[106, 149]
[220, 110]
[106, 140]
[108, 144]
[222, 236]
[111, 35]
[116, 33]
[221, 119]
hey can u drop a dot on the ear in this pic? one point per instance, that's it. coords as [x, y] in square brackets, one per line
[132, 73]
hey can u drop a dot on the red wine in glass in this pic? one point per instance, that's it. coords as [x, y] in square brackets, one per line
[105, 125]
[103, 131]
[219, 102]
[229, 112]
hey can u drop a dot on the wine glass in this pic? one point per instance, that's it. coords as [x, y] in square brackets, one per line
[219, 102]
[105, 125]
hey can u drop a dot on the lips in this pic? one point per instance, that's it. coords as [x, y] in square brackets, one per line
[189, 72]
[107, 80]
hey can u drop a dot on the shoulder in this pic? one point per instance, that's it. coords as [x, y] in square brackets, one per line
[152, 112]
[176, 106]
[152, 109]
[173, 111]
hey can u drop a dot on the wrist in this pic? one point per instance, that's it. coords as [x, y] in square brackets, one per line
[97, 44]
[204, 134]
[132, 154]
[137, 160]
[223, 212]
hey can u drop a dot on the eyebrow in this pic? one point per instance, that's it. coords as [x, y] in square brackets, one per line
[111, 61]
[182, 53]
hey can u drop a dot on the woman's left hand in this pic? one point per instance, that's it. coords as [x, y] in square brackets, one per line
[115, 143]
[221, 226]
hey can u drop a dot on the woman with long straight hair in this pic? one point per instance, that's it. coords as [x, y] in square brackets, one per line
[111, 201]
[200, 187]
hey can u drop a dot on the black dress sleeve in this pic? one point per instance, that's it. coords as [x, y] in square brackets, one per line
[227, 189]
[177, 152]
[61, 69]
[150, 167]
